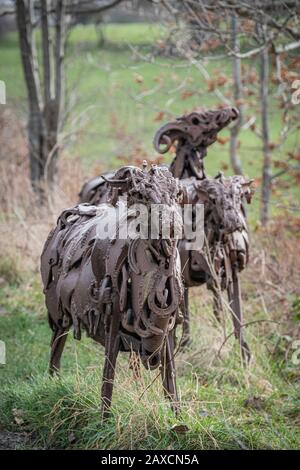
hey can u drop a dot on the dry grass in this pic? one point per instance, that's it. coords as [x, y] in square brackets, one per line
[24, 225]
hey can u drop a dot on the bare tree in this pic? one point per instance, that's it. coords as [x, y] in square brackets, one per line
[249, 29]
[46, 92]
[44, 107]
[237, 94]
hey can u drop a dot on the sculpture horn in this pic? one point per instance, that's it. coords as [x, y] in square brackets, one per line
[167, 135]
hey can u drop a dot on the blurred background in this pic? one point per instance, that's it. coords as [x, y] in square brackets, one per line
[86, 85]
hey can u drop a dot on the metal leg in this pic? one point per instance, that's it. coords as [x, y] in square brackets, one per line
[168, 373]
[57, 346]
[186, 334]
[111, 353]
[235, 302]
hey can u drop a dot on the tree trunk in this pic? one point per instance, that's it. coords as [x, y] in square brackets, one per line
[237, 93]
[267, 157]
[44, 103]
[36, 125]
[55, 105]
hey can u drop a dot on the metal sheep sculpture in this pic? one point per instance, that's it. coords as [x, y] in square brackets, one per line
[125, 293]
[225, 217]
[226, 248]
[227, 244]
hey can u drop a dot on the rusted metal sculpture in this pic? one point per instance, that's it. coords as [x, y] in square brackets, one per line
[192, 133]
[125, 293]
[227, 247]
[95, 190]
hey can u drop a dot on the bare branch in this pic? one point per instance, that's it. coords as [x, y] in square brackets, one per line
[79, 7]
[89, 7]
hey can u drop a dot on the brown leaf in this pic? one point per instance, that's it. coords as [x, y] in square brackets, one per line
[272, 145]
[159, 116]
[224, 166]
[138, 78]
[257, 181]
[158, 79]
[221, 80]
[186, 94]
[180, 428]
[210, 85]
[255, 402]
[280, 164]
[240, 102]
[222, 140]
[18, 416]
[265, 386]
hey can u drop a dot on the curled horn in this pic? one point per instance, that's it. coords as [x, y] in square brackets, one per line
[117, 185]
[167, 135]
[194, 127]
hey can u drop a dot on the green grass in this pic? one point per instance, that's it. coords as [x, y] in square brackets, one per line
[64, 412]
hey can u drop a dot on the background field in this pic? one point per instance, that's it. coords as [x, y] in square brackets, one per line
[117, 96]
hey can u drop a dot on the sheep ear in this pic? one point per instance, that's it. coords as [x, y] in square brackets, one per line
[247, 183]
[220, 177]
[248, 190]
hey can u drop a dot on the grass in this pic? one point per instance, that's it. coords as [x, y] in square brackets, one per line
[116, 97]
[223, 405]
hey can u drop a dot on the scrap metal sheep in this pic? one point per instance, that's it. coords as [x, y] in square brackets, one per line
[224, 200]
[125, 293]
[227, 244]
[226, 249]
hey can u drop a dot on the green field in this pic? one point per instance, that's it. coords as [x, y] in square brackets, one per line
[115, 94]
